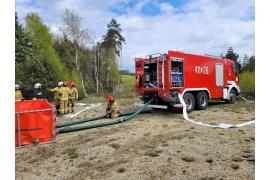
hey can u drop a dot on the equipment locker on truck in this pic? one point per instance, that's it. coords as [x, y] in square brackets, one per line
[198, 78]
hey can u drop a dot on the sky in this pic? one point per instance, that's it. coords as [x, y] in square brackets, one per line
[156, 26]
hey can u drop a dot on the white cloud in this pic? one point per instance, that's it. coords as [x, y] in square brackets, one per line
[203, 27]
[166, 8]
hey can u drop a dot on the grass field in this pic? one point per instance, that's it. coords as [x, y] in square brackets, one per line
[125, 92]
[128, 81]
[247, 83]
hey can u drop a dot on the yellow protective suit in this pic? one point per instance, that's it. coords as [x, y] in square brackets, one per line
[112, 110]
[18, 95]
[73, 97]
[64, 96]
[56, 98]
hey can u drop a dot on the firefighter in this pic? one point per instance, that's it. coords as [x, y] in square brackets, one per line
[56, 92]
[112, 110]
[73, 96]
[64, 93]
[37, 93]
[18, 93]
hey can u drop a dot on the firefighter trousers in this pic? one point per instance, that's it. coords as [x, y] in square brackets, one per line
[72, 105]
[63, 107]
[57, 106]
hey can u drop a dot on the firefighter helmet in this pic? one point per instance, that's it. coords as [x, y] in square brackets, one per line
[72, 84]
[60, 84]
[110, 98]
[17, 86]
[37, 86]
[64, 83]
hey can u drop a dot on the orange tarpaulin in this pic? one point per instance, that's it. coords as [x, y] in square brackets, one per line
[34, 122]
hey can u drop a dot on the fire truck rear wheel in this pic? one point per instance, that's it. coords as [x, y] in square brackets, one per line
[190, 101]
[201, 99]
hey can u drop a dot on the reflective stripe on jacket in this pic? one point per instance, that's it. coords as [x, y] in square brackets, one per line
[73, 94]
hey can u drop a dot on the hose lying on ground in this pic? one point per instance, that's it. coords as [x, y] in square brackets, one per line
[80, 121]
[122, 119]
[82, 110]
[221, 125]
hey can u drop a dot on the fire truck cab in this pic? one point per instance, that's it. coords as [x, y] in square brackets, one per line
[198, 78]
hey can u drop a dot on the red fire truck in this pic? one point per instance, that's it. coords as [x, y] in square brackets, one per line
[198, 78]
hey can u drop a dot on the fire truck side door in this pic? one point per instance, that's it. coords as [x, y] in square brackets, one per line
[219, 75]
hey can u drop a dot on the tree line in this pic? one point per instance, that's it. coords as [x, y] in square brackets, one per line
[247, 64]
[44, 57]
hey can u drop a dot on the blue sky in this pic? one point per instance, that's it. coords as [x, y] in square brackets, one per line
[148, 8]
[151, 26]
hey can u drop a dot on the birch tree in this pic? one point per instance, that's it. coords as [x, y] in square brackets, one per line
[97, 65]
[72, 28]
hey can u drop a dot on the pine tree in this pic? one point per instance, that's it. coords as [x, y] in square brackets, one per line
[23, 44]
[249, 64]
[23, 50]
[30, 65]
[233, 56]
[113, 38]
[252, 63]
[245, 62]
[112, 42]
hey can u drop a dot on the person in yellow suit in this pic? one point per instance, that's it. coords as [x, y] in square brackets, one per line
[18, 93]
[64, 96]
[112, 110]
[56, 98]
[73, 96]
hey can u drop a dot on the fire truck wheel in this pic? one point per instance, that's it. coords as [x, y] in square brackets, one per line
[190, 101]
[201, 100]
[232, 96]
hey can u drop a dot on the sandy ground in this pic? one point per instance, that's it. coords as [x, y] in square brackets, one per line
[158, 145]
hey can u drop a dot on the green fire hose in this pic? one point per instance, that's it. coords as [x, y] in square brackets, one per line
[118, 121]
[80, 121]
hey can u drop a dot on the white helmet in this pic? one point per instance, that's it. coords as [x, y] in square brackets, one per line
[17, 86]
[37, 86]
[60, 84]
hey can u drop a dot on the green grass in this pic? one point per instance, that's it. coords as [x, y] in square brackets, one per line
[247, 83]
[124, 93]
[128, 81]
[126, 90]
[94, 98]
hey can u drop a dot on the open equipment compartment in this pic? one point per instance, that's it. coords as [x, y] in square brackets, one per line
[177, 78]
[150, 74]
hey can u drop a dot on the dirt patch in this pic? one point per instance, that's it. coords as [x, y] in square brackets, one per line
[188, 158]
[158, 145]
